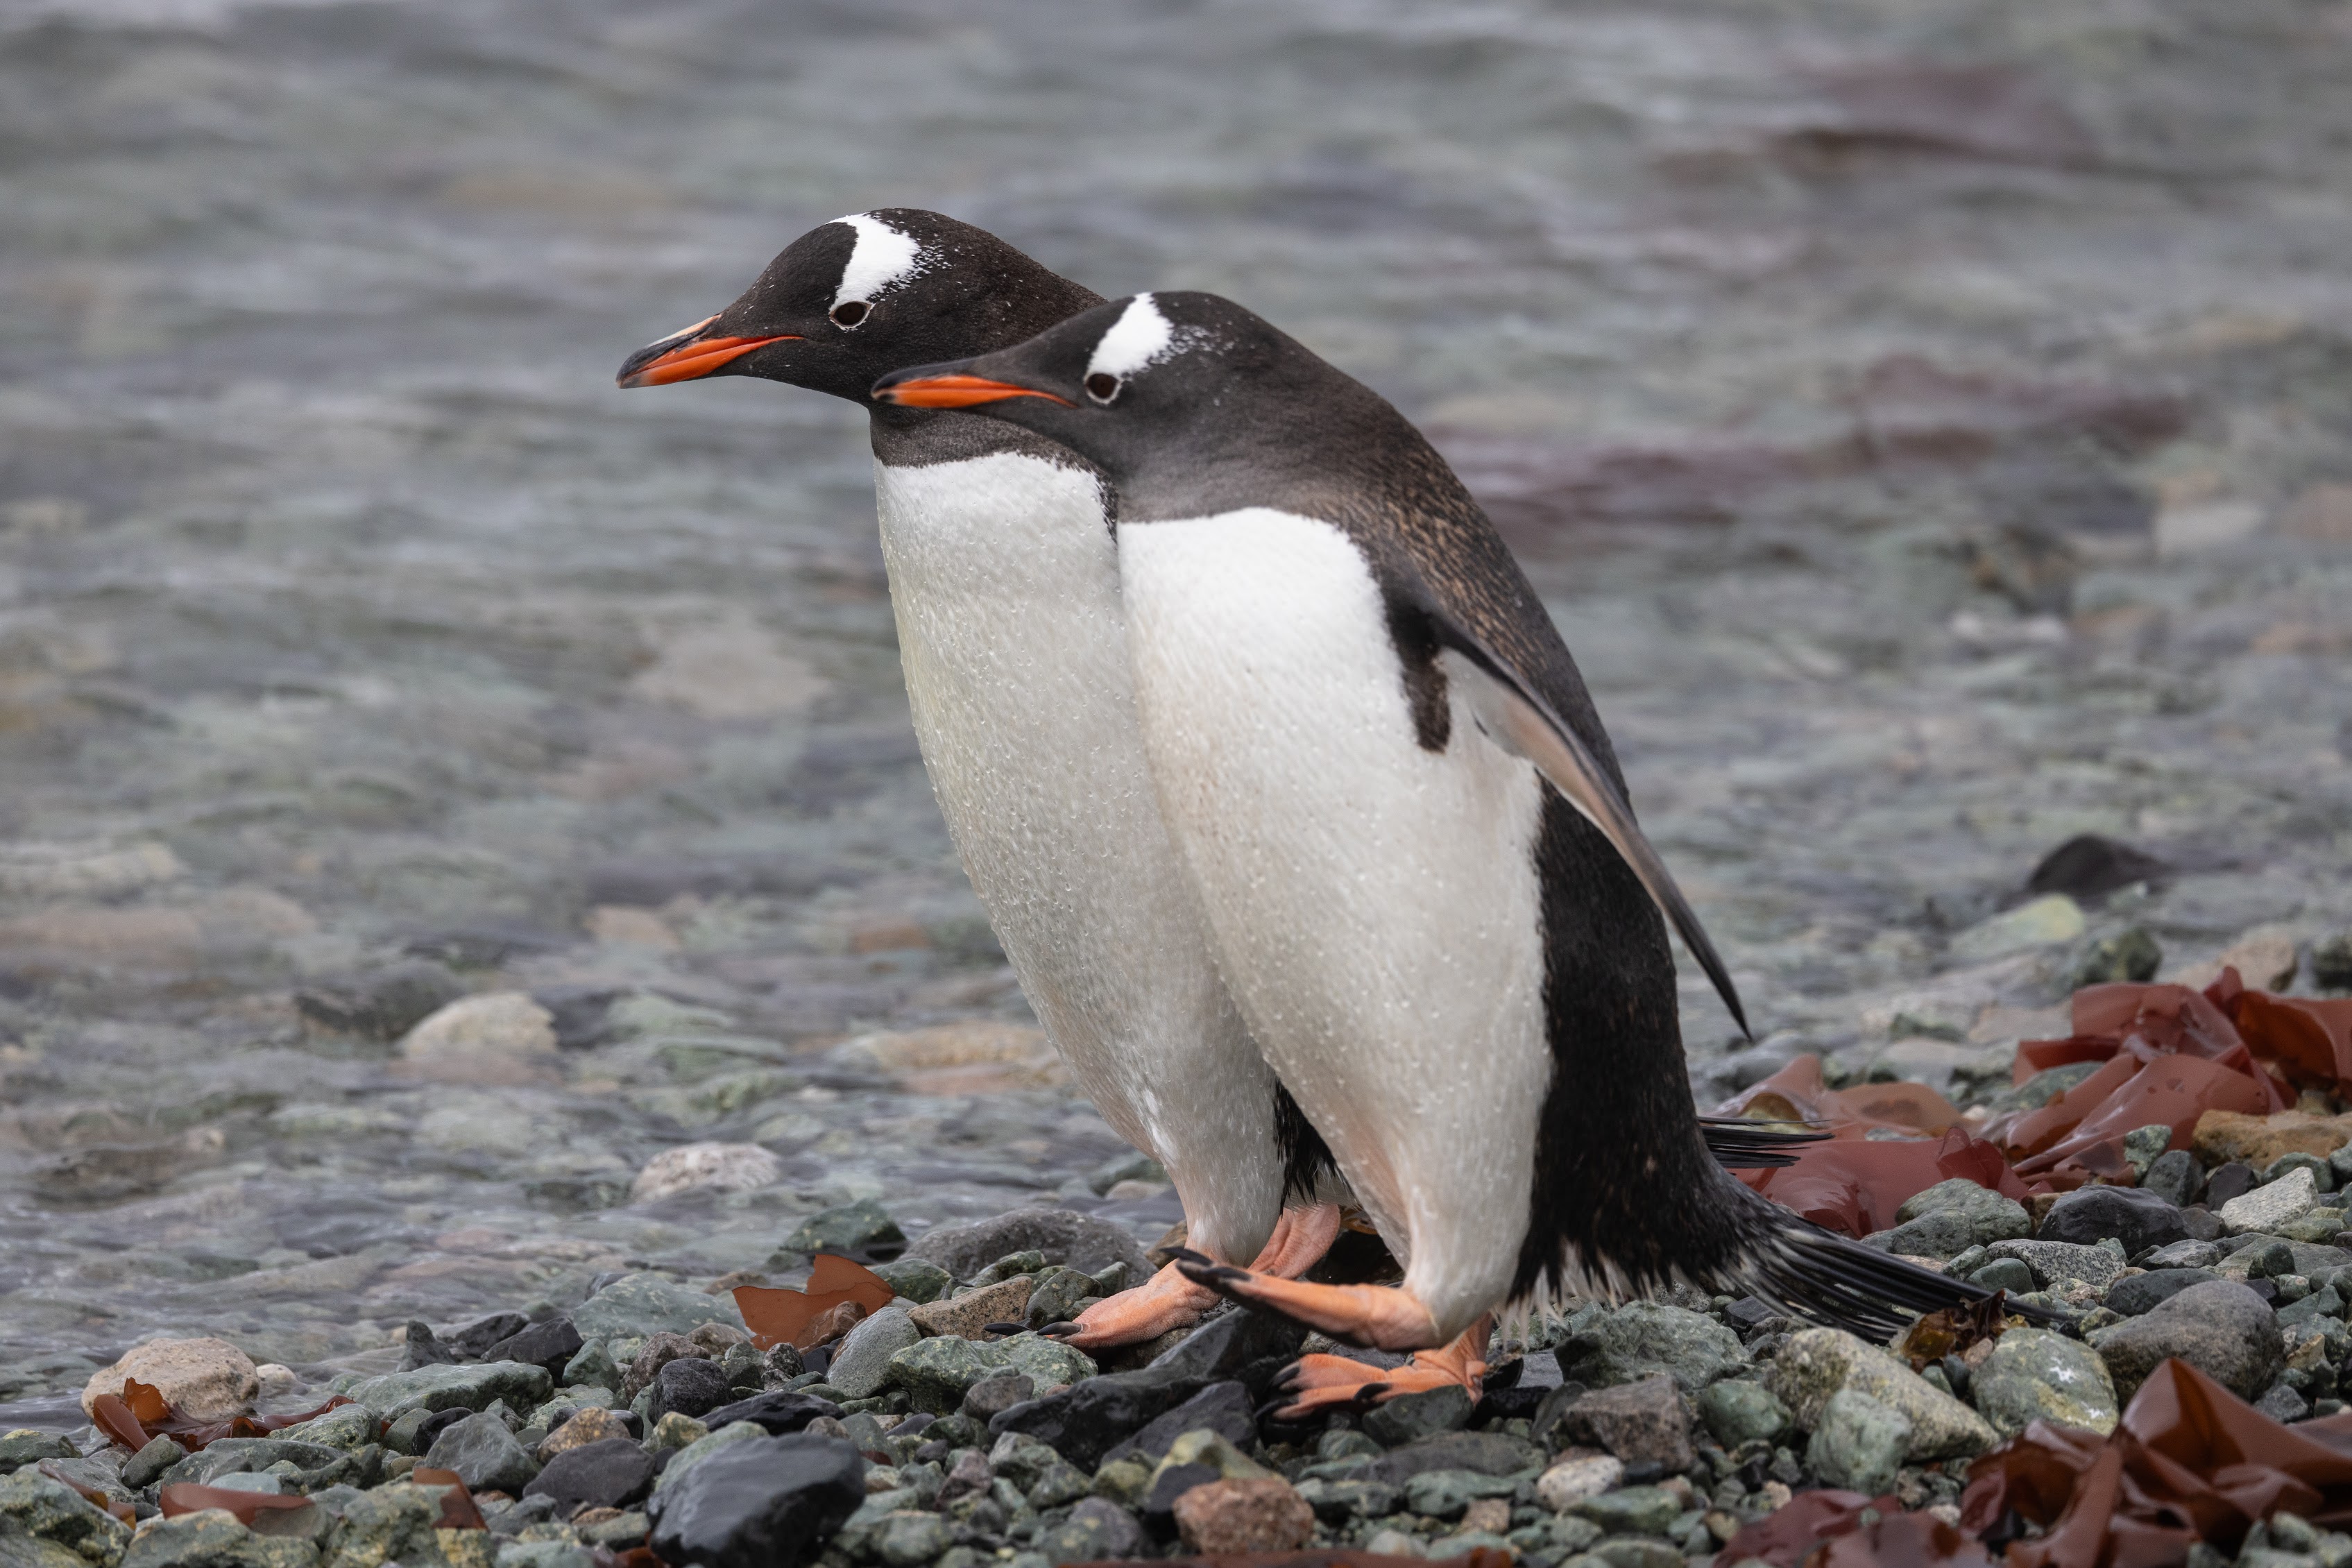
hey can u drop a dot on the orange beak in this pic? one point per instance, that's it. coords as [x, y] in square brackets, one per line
[669, 360]
[957, 392]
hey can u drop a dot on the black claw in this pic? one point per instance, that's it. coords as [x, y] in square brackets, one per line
[1004, 1328]
[1058, 1330]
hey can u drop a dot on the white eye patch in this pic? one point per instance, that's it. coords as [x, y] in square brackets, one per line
[1142, 336]
[881, 258]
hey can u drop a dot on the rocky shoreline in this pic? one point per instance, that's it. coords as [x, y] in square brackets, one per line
[923, 1423]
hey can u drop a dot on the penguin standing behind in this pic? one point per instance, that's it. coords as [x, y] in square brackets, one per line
[1004, 582]
[1353, 701]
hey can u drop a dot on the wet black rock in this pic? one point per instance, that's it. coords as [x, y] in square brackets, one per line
[2144, 1292]
[2176, 1177]
[1224, 1408]
[428, 1431]
[689, 1387]
[761, 1503]
[484, 1454]
[610, 1473]
[1411, 1415]
[1084, 1420]
[2090, 867]
[550, 1344]
[421, 1348]
[2234, 1180]
[476, 1337]
[779, 1411]
[2134, 1216]
[1079, 1241]
[380, 1003]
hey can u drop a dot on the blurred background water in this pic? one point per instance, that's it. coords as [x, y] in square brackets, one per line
[1927, 421]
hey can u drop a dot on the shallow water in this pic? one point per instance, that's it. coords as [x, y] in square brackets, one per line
[1921, 421]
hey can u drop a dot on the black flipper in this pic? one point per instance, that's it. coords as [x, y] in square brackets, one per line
[1521, 721]
[1739, 1145]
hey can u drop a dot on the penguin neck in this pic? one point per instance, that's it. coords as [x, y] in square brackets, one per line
[920, 437]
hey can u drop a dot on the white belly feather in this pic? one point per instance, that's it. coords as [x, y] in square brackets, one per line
[1004, 582]
[1376, 905]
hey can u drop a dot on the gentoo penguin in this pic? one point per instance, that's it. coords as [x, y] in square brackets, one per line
[1004, 582]
[1409, 836]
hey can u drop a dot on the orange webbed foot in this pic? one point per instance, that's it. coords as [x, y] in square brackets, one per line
[1170, 1300]
[1377, 1316]
[1320, 1382]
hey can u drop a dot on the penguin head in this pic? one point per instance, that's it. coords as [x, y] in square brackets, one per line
[862, 295]
[1143, 385]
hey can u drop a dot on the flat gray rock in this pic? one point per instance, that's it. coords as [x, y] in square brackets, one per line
[637, 1306]
[2052, 1262]
[2220, 1328]
[1077, 1240]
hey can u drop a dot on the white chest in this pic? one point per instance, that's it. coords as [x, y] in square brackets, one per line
[1376, 904]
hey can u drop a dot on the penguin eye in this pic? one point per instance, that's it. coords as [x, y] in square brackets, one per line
[1102, 386]
[849, 312]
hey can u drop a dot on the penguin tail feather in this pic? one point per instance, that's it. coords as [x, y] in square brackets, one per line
[1742, 1145]
[1816, 1274]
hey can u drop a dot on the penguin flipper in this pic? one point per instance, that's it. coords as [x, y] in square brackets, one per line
[1519, 720]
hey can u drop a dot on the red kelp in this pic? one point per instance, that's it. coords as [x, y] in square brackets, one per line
[140, 1414]
[780, 1317]
[457, 1509]
[2170, 1055]
[122, 1511]
[186, 1497]
[2189, 1461]
[1828, 1529]
[1854, 1181]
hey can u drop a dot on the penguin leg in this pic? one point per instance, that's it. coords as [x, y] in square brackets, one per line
[1170, 1300]
[1321, 1383]
[1382, 1317]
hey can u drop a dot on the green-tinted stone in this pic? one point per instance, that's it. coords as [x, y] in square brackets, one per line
[1005, 1267]
[347, 1427]
[51, 1511]
[936, 1373]
[211, 1540]
[863, 1226]
[639, 1305]
[475, 1387]
[2035, 1375]
[1858, 1443]
[1604, 1348]
[1630, 1510]
[1446, 1494]
[389, 1524]
[593, 1363]
[25, 1446]
[913, 1280]
[2131, 954]
[1737, 1411]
